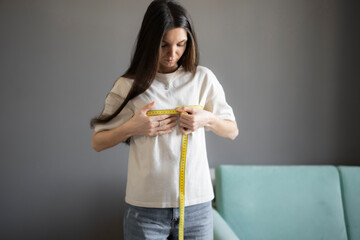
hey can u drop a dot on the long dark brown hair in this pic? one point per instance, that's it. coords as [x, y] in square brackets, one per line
[160, 16]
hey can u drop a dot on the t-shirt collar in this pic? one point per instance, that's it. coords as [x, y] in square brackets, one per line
[168, 77]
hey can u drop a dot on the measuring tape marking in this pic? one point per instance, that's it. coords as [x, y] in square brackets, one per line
[184, 143]
[170, 111]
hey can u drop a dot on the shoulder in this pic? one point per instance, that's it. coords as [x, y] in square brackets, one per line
[206, 76]
[122, 86]
[204, 70]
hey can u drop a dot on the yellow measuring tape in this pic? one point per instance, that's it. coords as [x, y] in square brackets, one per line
[184, 143]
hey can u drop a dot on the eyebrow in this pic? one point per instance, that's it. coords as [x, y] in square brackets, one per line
[177, 43]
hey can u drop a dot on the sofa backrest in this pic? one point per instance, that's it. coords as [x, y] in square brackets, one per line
[350, 183]
[281, 202]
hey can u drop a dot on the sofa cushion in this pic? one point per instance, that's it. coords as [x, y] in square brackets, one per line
[281, 202]
[222, 231]
[350, 181]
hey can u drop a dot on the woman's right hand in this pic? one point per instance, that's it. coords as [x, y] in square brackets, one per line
[152, 125]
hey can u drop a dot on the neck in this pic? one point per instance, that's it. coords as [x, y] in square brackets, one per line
[168, 70]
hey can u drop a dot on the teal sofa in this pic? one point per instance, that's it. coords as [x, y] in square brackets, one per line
[287, 203]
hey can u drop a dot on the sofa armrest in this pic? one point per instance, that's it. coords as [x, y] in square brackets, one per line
[222, 230]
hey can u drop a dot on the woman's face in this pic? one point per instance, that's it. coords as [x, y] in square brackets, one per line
[173, 46]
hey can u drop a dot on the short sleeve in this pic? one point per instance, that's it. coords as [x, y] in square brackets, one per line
[216, 100]
[112, 102]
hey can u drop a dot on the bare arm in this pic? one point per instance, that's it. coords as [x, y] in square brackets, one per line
[200, 118]
[139, 124]
[223, 128]
[110, 138]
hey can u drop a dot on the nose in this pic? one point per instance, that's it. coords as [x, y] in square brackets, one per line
[172, 51]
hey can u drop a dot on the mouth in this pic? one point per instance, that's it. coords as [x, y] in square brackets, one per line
[170, 60]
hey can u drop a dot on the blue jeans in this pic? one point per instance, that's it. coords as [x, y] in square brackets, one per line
[163, 223]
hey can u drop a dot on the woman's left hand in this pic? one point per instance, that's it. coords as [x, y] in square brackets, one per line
[192, 119]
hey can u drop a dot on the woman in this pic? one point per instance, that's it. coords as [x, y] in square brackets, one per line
[164, 74]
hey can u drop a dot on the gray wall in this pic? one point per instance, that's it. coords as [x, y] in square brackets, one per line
[288, 69]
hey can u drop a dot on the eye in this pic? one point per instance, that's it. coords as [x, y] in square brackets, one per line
[182, 44]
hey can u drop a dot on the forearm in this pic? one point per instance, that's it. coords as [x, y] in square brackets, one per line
[223, 128]
[110, 138]
[139, 124]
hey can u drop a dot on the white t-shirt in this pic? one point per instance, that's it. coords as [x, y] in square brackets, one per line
[153, 168]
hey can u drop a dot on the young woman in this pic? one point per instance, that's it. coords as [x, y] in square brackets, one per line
[164, 74]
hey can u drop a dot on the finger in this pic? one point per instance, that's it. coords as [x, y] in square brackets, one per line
[169, 120]
[156, 119]
[185, 131]
[187, 123]
[186, 109]
[157, 132]
[186, 126]
[166, 126]
[186, 118]
[163, 123]
[156, 122]
[160, 123]
[147, 107]
[160, 117]
[164, 132]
